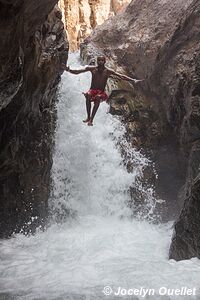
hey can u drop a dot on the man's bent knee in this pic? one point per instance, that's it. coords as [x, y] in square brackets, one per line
[96, 102]
[88, 97]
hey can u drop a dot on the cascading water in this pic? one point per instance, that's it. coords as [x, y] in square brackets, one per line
[96, 242]
[88, 173]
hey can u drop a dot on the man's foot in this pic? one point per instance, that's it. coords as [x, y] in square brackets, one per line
[86, 120]
[90, 123]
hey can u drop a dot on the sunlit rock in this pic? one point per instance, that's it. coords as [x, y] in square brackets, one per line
[82, 16]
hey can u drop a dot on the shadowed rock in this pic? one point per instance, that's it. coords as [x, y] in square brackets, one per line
[33, 46]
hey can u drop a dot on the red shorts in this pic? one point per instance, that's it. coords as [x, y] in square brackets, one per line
[94, 93]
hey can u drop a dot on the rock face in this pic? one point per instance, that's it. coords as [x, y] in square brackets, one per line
[159, 40]
[81, 16]
[33, 46]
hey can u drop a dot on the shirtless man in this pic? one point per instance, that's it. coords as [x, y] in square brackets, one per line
[96, 93]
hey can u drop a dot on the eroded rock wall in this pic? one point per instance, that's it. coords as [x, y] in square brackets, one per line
[33, 46]
[160, 42]
[82, 16]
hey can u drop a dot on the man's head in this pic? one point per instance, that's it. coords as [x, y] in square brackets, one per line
[101, 61]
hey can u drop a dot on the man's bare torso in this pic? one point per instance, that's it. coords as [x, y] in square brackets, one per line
[99, 78]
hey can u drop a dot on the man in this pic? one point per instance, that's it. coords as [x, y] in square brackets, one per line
[96, 93]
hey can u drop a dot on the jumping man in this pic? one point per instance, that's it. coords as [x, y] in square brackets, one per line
[96, 93]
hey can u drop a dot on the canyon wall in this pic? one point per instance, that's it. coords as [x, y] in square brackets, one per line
[82, 16]
[33, 46]
[159, 40]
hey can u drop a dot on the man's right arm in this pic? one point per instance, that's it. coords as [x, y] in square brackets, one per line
[122, 76]
[86, 69]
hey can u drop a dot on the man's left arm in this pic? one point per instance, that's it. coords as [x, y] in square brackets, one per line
[122, 76]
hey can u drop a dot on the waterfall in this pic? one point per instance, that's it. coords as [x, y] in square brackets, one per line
[89, 176]
[93, 241]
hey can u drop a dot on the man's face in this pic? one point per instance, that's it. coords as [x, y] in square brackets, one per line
[101, 61]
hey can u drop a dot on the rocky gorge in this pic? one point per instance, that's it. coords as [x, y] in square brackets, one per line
[159, 42]
[33, 46]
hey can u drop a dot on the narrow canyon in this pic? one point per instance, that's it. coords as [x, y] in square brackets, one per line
[118, 203]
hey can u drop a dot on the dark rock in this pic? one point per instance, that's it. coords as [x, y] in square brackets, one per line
[186, 239]
[33, 46]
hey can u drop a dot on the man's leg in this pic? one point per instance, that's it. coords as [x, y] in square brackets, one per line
[94, 110]
[88, 107]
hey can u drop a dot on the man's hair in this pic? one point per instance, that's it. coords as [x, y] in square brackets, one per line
[101, 56]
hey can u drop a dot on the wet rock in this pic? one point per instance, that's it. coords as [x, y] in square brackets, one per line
[186, 239]
[33, 47]
[146, 132]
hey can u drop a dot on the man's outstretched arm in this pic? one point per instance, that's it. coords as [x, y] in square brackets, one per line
[86, 69]
[123, 77]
